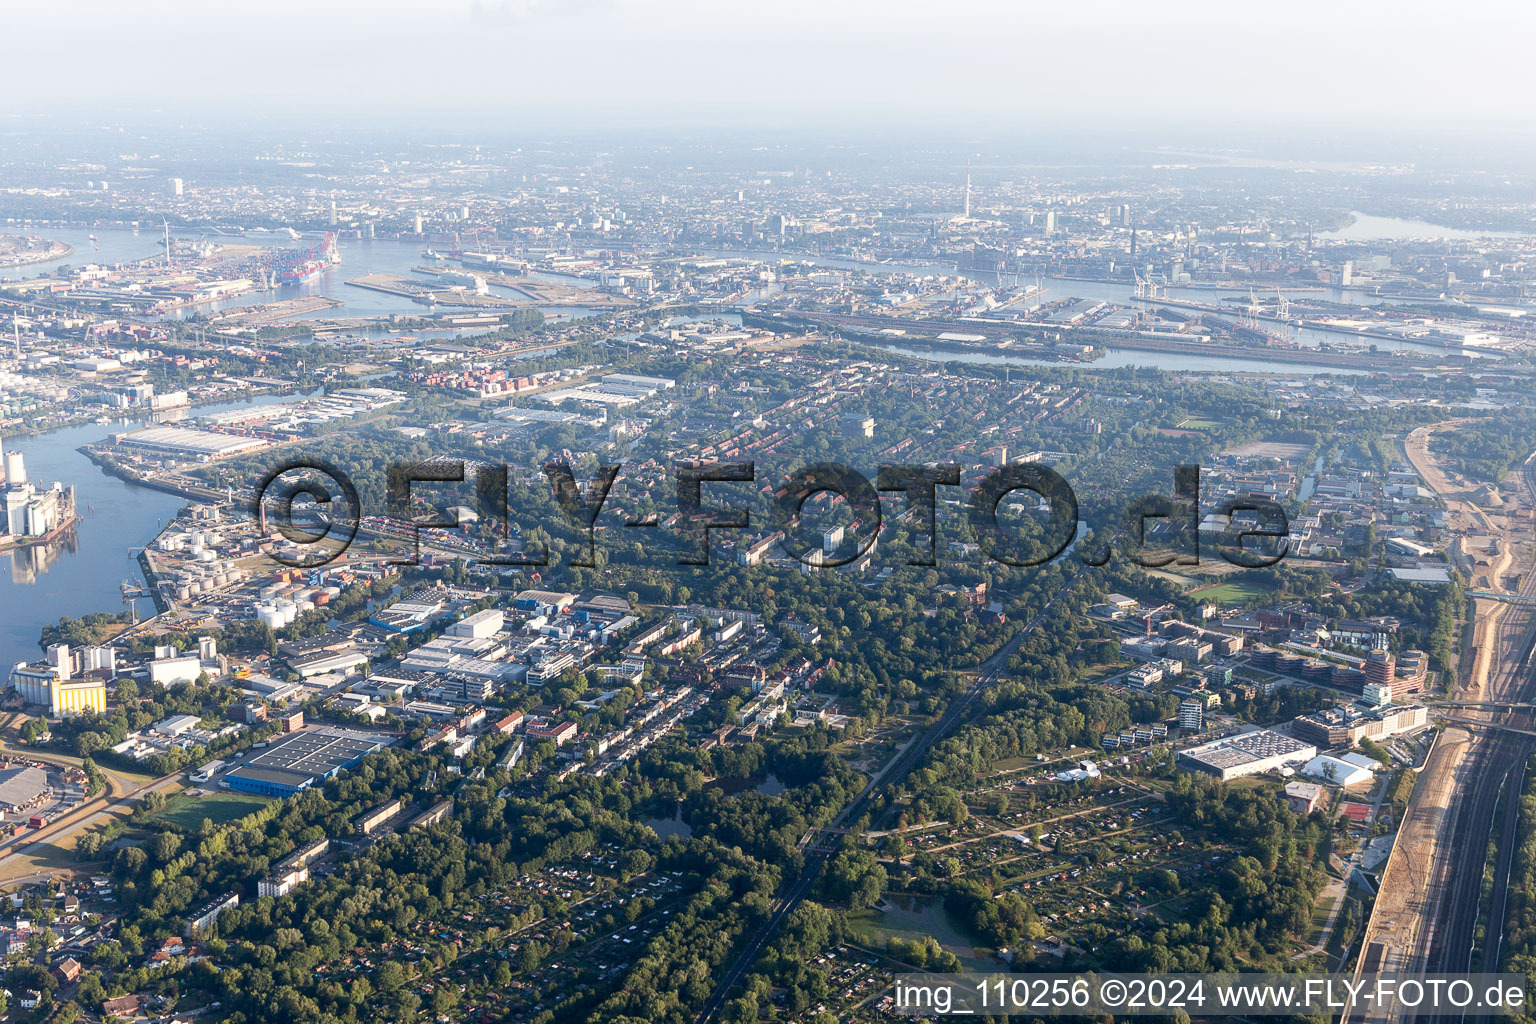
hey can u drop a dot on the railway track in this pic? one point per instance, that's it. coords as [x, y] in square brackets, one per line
[1495, 771]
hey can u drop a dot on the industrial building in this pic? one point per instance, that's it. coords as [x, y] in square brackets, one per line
[1338, 770]
[614, 389]
[169, 671]
[480, 625]
[53, 684]
[22, 788]
[77, 696]
[185, 443]
[301, 759]
[1404, 546]
[30, 510]
[1247, 754]
[324, 662]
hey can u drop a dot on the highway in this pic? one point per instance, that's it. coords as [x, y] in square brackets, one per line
[1494, 770]
[821, 843]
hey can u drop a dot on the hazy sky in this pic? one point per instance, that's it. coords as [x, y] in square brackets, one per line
[821, 62]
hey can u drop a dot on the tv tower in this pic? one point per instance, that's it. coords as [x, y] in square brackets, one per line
[967, 190]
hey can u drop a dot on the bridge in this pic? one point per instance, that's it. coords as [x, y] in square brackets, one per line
[1511, 598]
[1491, 705]
[1488, 725]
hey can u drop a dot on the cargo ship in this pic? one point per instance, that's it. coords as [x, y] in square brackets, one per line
[301, 273]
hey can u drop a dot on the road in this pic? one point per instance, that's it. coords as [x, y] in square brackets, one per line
[120, 796]
[820, 844]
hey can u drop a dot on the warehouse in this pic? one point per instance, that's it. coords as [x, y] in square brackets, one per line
[1404, 546]
[1338, 771]
[22, 788]
[320, 663]
[1248, 754]
[301, 759]
[183, 443]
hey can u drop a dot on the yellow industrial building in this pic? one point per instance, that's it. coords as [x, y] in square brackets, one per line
[48, 685]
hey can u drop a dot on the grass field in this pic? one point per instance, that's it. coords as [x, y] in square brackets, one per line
[1234, 593]
[1195, 423]
[188, 812]
[57, 855]
[1172, 577]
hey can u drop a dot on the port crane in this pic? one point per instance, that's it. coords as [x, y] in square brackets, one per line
[1146, 289]
[1249, 317]
[1282, 307]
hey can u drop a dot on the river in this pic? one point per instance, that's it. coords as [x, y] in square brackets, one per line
[83, 573]
[1366, 227]
[358, 257]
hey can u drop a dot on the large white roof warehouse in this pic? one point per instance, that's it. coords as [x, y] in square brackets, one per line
[1246, 754]
[185, 443]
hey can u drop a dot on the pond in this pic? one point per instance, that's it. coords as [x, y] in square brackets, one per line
[673, 826]
[914, 918]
